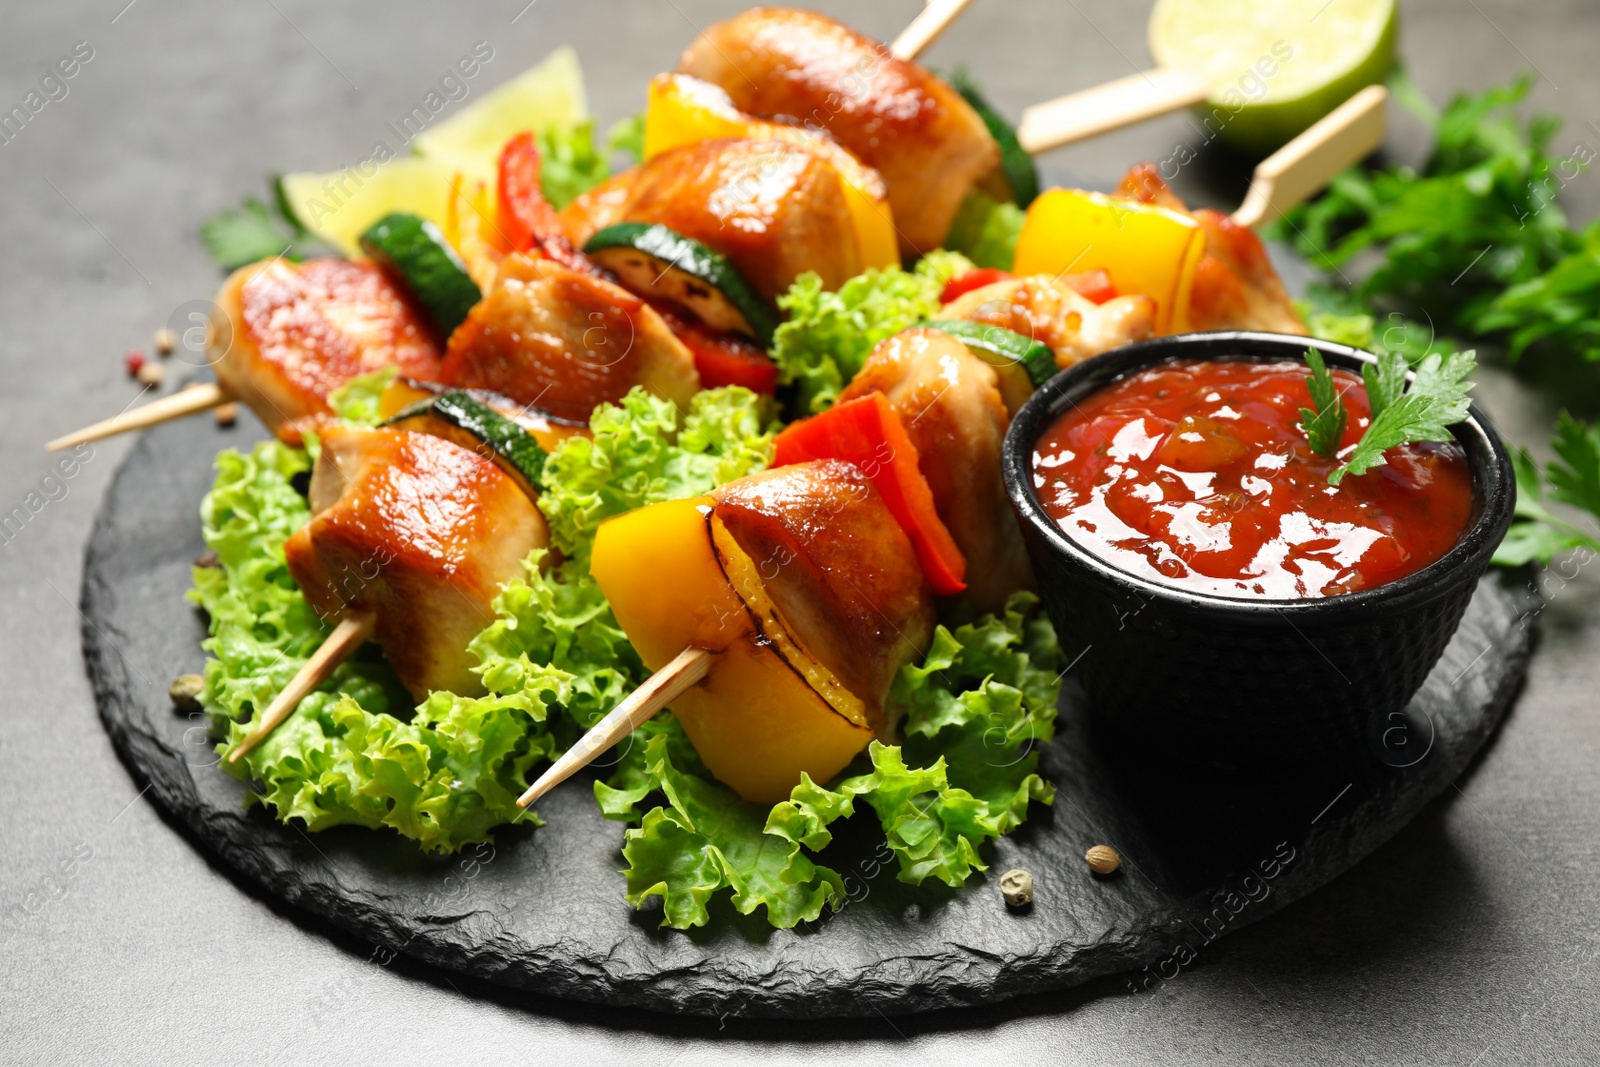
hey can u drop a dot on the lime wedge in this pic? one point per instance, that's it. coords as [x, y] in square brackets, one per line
[1274, 66]
[546, 96]
[339, 206]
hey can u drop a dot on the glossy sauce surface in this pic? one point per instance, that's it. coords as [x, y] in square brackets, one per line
[1197, 474]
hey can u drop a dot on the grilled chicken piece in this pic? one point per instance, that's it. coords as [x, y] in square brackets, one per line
[775, 209]
[1047, 309]
[839, 573]
[297, 331]
[1235, 285]
[949, 401]
[420, 531]
[927, 142]
[562, 341]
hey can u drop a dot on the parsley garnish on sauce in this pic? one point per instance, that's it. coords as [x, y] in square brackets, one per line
[1423, 411]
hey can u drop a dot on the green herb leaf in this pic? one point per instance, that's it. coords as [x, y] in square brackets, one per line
[1434, 402]
[245, 234]
[1475, 236]
[1540, 535]
[1385, 381]
[1324, 425]
[1575, 476]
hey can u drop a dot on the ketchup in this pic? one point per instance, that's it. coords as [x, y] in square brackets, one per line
[1197, 474]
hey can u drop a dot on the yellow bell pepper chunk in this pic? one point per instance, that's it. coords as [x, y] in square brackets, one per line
[682, 110]
[469, 228]
[1146, 250]
[755, 720]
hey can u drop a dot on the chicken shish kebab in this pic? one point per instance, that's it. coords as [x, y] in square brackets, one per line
[666, 276]
[811, 583]
[930, 145]
[808, 594]
[949, 402]
[288, 334]
[1235, 284]
[422, 533]
[564, 342]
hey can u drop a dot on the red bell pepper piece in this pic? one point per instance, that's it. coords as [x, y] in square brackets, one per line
[526, 219]
[525, 215]
[973, 279]
[867, 432]
[1092, 285]
[722, 358]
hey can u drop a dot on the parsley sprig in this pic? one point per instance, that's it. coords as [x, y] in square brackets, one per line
[1424, 410]
[1324, 426]
[1476, 238]
[1572, 478]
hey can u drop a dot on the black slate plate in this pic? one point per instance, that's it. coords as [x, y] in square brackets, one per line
[1206, 853]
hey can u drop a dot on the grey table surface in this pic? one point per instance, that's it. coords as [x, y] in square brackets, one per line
[1471, 938]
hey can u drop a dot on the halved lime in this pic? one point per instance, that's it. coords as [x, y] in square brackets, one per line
[338, 207]
[545, 96]
[1274, 66]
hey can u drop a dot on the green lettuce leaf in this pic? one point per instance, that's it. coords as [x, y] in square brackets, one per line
[571, 163]
[829, 334]
[644, 451]
[706, 839]
[626, 139]
[356, 400]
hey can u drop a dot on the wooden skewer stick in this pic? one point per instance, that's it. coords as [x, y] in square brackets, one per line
[1346, 136]
[930, 22]
[659, 690]
[1123, 102]
[176, 406]
[351, 633]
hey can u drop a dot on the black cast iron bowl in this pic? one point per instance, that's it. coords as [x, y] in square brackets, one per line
[1208, 678]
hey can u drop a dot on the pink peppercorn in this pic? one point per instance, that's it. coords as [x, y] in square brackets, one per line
[133, 361]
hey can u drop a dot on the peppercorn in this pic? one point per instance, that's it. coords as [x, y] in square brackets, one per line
[185, 692]
[209, 559]
[133, 359]
[1016, 886]
[1102, 859]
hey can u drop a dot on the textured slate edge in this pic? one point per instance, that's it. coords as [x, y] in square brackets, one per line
[946, 977]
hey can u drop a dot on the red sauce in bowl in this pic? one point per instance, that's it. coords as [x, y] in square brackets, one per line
[1196, 474]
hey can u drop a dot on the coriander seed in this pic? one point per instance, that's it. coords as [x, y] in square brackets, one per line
[150, 373]
[166, 341]
[226, 414]
[185, 692]
[1102, 859]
